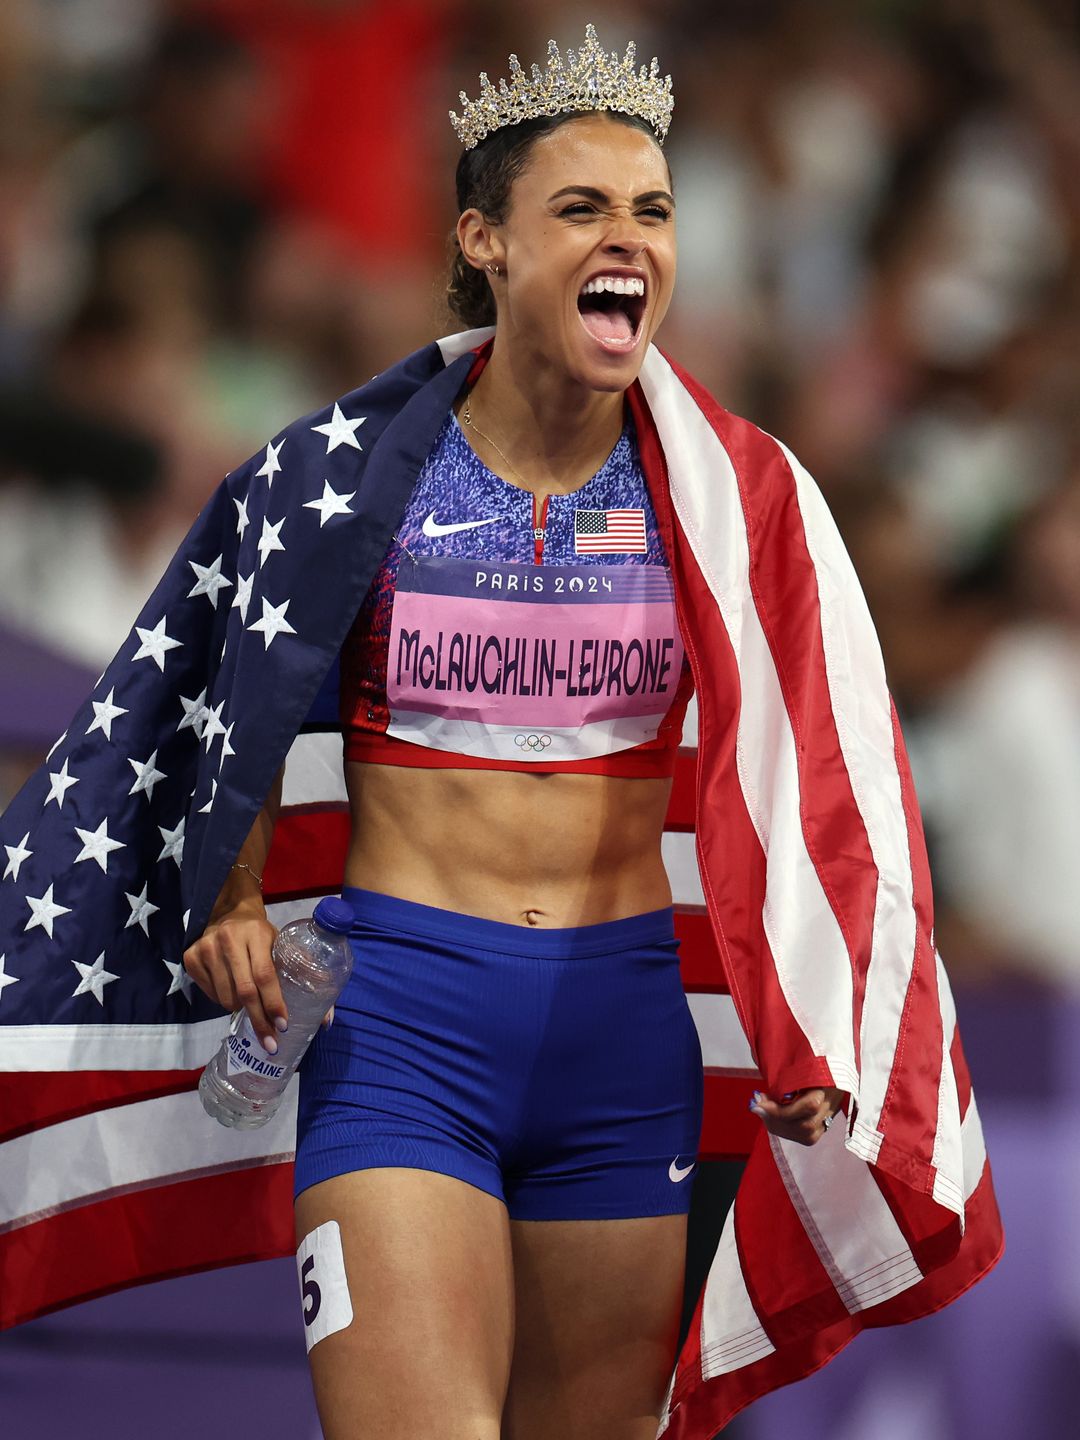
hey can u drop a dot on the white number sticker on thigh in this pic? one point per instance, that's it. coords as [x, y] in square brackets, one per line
[324, 1286]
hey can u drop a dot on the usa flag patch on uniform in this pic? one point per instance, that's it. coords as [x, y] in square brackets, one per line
[609, 532]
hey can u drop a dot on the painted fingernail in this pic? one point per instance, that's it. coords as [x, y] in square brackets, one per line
[269, 1044]
[281, 1024]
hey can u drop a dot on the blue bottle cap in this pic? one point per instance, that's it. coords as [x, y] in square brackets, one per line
[334, 914]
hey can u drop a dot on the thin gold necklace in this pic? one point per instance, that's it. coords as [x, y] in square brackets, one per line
[466, 415]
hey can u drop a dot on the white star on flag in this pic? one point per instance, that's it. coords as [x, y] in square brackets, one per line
[242, 521]
[146, 777]
[141, 910]
[181, 980]
[205, 809]
[271, 465]
[213, 725]
[43, 911]
[155, 643]
[6, 980]
[270, 539]
[174, 843]
[94, 978]
[208, 580]
[242, 599]
[339, 431]
[226, 748]
[97, 845]
[16, 855]
[60, 782]
[273, 622]
[331, 503]
[105, 712]
[194, 714]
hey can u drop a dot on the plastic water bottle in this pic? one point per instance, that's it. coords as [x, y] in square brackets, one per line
[243, 1084]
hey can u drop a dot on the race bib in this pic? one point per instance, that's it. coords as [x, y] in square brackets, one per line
[531, 662]
[324, 1286]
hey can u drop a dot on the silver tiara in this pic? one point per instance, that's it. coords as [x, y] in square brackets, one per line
[586, 79]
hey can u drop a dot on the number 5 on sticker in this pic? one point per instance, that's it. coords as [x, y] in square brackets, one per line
[309, 1290]
[324, 1286]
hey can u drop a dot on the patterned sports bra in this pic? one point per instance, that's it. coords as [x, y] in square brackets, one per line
[499, 638]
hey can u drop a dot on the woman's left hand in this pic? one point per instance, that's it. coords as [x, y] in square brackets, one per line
[804, 1118]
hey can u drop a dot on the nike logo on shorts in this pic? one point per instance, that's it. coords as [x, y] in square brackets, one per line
[434, 530]
[675, 1174]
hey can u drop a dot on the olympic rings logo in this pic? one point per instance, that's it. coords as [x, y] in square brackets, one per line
[532, 742]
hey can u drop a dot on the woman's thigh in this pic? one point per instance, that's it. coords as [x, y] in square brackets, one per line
[429, 1275]
[598, 1305]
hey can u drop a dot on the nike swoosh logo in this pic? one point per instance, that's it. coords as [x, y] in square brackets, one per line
[675, 1174]
[434, 530]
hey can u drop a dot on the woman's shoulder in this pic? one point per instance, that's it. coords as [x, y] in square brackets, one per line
[679, 400]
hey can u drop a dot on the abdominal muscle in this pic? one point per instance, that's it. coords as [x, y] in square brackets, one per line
[524, 848]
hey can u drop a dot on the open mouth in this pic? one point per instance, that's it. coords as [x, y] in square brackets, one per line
[612, 308]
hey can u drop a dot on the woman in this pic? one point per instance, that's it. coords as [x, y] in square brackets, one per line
[513, 1268]
[496, 1136]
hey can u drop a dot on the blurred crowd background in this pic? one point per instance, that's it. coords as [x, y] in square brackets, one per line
[216, 216]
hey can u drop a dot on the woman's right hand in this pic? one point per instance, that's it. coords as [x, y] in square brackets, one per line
[232, 964]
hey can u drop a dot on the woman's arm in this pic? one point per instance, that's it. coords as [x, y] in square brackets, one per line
[231, 960]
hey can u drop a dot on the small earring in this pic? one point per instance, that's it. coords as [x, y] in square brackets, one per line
[493, 269]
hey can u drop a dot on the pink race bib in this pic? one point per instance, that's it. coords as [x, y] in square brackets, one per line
[535, 662]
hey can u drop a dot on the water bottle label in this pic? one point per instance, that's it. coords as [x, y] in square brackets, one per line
[243, 1052]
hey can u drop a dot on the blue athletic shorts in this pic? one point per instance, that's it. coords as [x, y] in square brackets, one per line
[559, 1070]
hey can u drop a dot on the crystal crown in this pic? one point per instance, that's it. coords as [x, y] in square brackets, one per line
[586, 79]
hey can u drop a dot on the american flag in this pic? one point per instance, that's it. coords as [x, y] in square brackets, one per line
[798, 866]
[609, 532]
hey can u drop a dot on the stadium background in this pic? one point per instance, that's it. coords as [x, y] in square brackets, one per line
[216, 216]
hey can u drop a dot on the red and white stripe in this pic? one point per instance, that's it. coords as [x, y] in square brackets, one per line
[824, 923]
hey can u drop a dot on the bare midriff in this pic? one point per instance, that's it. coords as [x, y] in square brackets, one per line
[525, 848]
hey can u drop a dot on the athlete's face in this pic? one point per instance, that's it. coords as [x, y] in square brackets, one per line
[587, 252]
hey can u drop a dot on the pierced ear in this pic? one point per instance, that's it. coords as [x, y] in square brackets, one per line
[478, 242]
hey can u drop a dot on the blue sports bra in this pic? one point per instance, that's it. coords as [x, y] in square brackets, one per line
[499, 634]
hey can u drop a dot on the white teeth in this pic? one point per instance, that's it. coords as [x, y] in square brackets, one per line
[614, 285]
